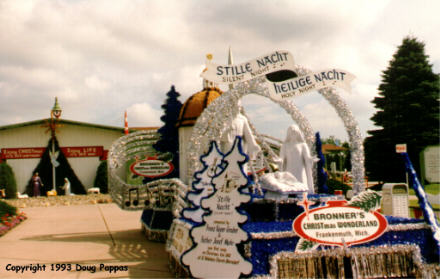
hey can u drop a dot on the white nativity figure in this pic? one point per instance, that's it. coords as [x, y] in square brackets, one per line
[240, 127]
[296, 157]
[66, 187]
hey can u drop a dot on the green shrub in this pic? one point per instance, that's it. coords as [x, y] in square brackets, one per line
[6, 208]
[101, 179]
[7, 181]
[337, 185]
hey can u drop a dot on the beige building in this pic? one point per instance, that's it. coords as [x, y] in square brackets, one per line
[83, 144]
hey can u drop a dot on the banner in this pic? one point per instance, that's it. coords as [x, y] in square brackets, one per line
[22, 153]
[83, 151]
[37, 152]
[230, 74]
[273, 62]
[314, 81]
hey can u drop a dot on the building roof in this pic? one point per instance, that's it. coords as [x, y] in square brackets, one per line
[327, 147]
[143, 128]
[61, 121]
[194, 106]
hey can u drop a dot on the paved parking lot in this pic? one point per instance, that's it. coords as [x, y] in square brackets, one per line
[81, 241]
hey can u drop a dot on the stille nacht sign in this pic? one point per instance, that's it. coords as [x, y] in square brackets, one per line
[339, 224]
[273, 62]
[215, 253]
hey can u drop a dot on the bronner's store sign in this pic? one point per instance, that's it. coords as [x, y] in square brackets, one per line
[339, 224]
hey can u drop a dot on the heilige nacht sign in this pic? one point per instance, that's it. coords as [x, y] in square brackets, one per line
[151, 167]
[339, 224]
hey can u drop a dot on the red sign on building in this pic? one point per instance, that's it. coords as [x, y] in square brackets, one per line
[83, 151]
[37, 152]
[22, 153]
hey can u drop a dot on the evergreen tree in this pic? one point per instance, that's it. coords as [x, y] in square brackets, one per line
[7, 181]
[44, 169]
[407, 112]
[101, 179]
[322, 175]
[169, 137]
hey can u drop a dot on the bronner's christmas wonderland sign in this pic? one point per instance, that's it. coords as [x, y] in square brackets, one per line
[339, 224]
[272, 62]
[151, 167]
[148, 165]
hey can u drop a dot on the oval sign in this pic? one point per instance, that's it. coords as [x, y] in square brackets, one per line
[151, 168]
[336, 225]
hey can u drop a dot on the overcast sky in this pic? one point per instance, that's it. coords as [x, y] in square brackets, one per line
[104, 57]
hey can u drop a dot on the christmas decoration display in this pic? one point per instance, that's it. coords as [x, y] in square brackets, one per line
[215, 230]
[169, 136]
[321, 174]
[64, 170]
[157, 197]
[202, 187]
[215, 253]
[399, 261]
[124, 154]
[219, 114]
[296, 157]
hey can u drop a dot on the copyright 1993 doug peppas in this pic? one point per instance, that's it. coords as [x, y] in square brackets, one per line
[59, 267]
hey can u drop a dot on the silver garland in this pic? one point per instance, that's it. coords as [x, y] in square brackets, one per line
[288, 234]
[215, 119]
[160, 194]
[366, 262]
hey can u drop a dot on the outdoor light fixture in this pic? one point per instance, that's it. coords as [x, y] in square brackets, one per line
[56, 110]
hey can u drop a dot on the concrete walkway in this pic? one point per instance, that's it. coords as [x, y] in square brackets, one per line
[81, 241]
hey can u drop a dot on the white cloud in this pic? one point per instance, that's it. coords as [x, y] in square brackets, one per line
[96, 83]
[106, 57]
[143, 115]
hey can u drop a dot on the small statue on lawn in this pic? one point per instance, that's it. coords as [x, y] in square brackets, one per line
[66, 187]
[36, 183]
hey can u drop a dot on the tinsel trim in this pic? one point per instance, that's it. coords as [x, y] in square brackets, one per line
[287, 234]
[176, 223]
[372, 262]
[176, 268]
[154, 234]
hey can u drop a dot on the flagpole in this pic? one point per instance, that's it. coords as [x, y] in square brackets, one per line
[53, 165]
[55, 112]
[125, 123]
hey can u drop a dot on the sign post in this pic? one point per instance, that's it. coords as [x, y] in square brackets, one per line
[401, 148]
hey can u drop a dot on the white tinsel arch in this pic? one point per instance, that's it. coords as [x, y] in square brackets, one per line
[219, 114]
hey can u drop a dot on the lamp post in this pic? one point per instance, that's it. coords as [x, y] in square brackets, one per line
[55, 114]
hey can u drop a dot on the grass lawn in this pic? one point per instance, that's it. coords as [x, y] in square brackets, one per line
[416, 203]
[432, 189]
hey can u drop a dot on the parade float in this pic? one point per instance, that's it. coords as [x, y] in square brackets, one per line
[245, 205]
